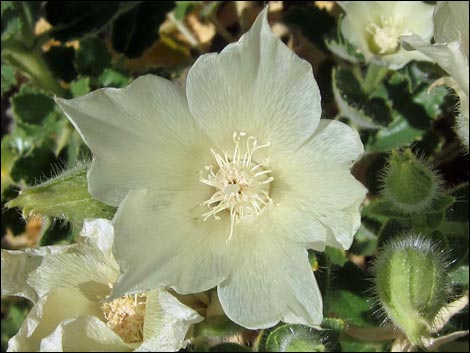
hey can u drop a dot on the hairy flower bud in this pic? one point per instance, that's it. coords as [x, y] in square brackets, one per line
[411, 284]
[410, 185]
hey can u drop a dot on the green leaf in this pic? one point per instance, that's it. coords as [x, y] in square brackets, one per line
[13, 316]
[348, 297]
[459, 276]
[229, 347]
[336, 256]
[11, 21]
[92, 57]
[36, 165]
[136, 30]
[113, 78]
[57, 232]
[60, 60]
[183, 7]
[217, 326]
[8, 77]
[397, 134]
[365, 242]
[312, 21]
[80, 87]
[64, 197]
[299, 338]
[431, 101]
[73, 19]
[32, 106]
[354, 104]
[460, 209]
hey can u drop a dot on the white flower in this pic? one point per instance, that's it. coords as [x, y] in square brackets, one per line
[450, 52]
[69, 285]
[375, 28]
[228, 183]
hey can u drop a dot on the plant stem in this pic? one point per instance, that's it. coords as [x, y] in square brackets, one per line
[375, 75]
[31, 64]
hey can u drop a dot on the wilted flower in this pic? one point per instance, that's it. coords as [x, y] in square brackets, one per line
[69, 286]
[228, 183]
[375, 28]
[450, 51]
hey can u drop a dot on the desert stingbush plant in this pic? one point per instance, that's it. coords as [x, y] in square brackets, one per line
[271, 165]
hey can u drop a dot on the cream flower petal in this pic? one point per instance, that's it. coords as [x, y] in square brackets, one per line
[140, 136]
[18, 265]
[320, 176]
[47, 313]
[448, 56]
[256, 85]
[161, 241]
[381, 23]
[32, 273]
[84, 334]
[166, 323]
[456, 29]
[272, 281]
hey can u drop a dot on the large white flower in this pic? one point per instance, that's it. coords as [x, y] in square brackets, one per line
[375, 28]
[450, 51]
[69, 285]
[228, 183]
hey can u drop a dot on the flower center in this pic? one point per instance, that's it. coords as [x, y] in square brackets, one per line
[241, 184]
[385, 36]
[125, 316]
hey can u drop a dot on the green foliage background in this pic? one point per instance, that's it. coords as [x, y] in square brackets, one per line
[94, 44]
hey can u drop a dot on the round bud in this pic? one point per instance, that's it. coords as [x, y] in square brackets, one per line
[411, 284]
[299, 338]
[410, 185]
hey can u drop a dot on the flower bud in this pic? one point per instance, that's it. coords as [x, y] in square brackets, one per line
[411, 284]
[299, 338]
[410, 185]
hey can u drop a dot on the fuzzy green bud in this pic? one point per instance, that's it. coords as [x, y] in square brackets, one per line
[412, 284]
[410, 185]
[299, 338]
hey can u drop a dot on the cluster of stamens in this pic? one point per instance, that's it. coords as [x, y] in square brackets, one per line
[241, 184]
[385, 36]
[125, 316]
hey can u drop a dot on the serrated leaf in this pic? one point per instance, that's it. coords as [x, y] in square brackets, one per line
[65, 197]
[11, 21]
[36, 165]
[73, 19]
[398, 133]
[80, 87]
[299, 338]
[113, 78]
[136, 30]
[8, 77]
[431, 101]
[32, 106]
[354, 104]
[348, 297]
[60, 60]
[92, 56]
